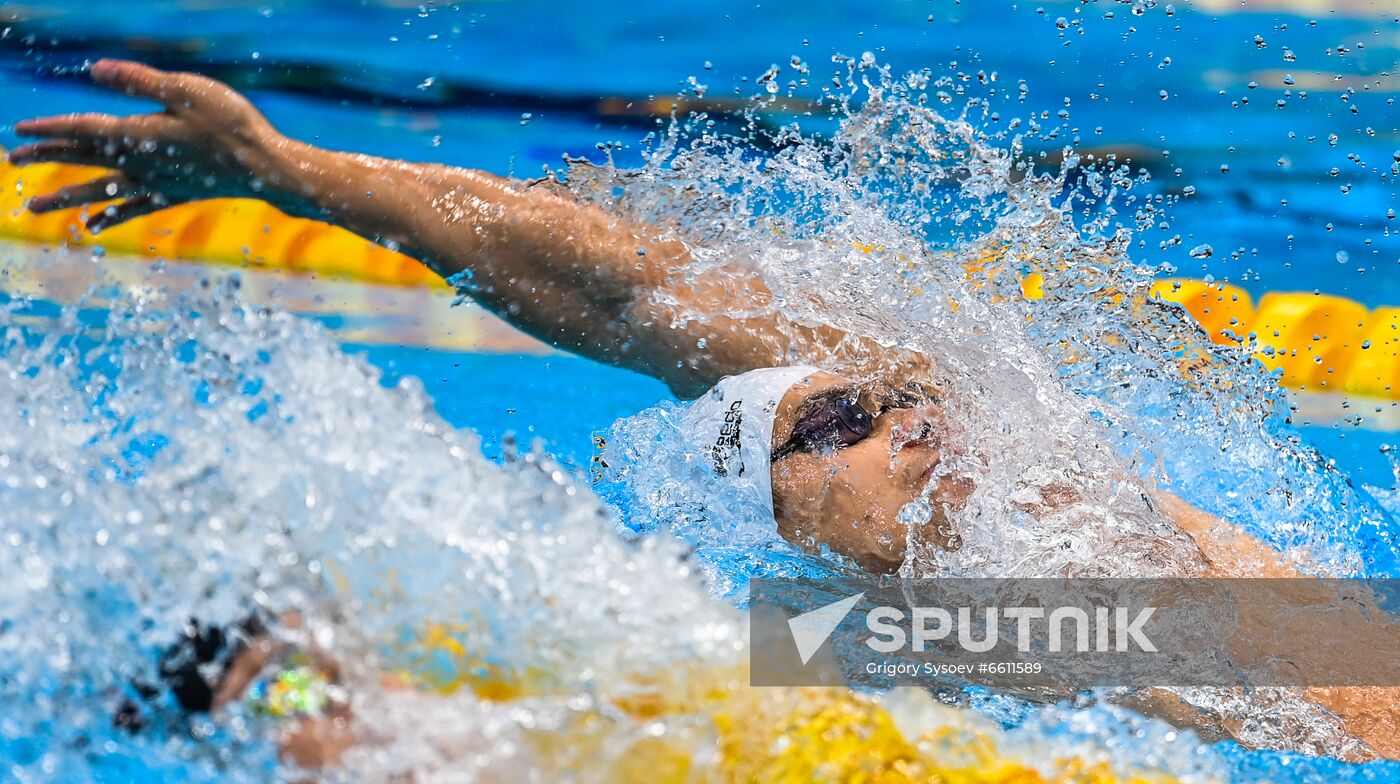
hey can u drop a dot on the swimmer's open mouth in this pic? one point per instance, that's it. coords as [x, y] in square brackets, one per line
[926, 475]
[919, 437]
[921, 434]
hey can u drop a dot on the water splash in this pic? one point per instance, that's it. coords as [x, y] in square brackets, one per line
[169, 456]
[919, 229]
[172, 456]
[198, 457]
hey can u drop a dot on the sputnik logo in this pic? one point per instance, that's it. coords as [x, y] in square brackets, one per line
[811, 629]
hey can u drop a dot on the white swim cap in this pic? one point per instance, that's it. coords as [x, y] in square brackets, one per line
[732, 424]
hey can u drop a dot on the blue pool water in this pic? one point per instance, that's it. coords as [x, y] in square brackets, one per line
[560, 400]
[1291, 191]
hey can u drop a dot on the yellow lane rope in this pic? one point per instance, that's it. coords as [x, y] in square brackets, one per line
[1321, 342]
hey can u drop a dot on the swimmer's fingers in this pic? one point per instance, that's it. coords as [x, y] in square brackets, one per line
[93, 139]
[87, 125]
[116, 186]
[122, 133]
[61, 151]
[179, 92]
[122, 212]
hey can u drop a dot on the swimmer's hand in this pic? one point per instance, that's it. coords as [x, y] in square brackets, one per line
[208, 142]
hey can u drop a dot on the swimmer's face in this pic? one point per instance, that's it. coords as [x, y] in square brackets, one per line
[840, 479]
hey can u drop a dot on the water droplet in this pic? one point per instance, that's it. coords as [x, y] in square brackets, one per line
[768, 79]
[1202, 251]
[426, 83]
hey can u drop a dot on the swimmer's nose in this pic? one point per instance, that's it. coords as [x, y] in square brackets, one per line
[914, 427]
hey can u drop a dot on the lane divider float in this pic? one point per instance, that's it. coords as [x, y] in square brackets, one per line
[1320, 341]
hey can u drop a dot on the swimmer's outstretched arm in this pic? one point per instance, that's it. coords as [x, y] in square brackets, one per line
[566, 272]
[1370, 714]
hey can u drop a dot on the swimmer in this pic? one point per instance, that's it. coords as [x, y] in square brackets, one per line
[210, 668]
[853, 440]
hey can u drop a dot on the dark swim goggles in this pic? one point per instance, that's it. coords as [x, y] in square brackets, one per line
[835, 424]
[842, 421]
